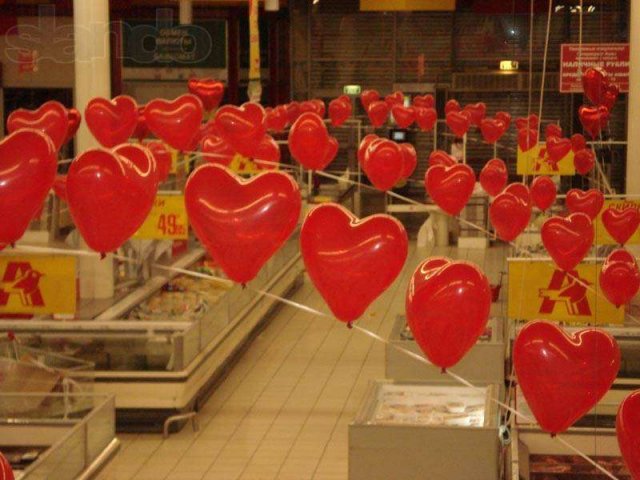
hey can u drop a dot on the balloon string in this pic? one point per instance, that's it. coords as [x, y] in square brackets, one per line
[544, 66]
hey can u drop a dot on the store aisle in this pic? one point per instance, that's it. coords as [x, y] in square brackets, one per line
[284, 410]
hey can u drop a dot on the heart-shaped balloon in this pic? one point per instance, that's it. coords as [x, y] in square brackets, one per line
[395, 98]
[293, 111]
[593, 119]
[383, 164]
[51, 118]
[450, 187]
[27, 172]
[315, 105]
[527, 139]
[332, 150]
[621, 224]
[477, 111]
[241, 223]
[521, 191]
[628, 432]
[242, 127]
[584, 160]
[308, 141]
[553, 130]
[267, 156]
[493, 176]
[557, 148]
[60, 187]
[162, 156]
[426, 118]
[424, 101]
[208, 90]
[409, 159]
[175, 122]
[452, 106]
[364, 145]
[568, 240]
[530, 122]
[339, 111]
[276, 119]
[143, 159]
[350, 261]
[594, 84]
[578, 142]
[589, 202]
[620, 277]
[610, 96]
[440, 157]
[141, 130]
[505, 117]
[447, 307]
[458, 122]
[74, 118]
[378, 112]
[109, 198]
[215, 150]
[509, 214]
[492, 129]
[563, 376]
[112, 122]
[404, 116]
[6, 472]
[367, 97]
[543, 192]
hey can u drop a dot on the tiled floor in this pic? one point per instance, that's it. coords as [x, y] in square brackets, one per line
[284, 411]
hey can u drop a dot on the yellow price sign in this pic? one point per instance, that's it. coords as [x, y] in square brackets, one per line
[536, 161]
[37, 284]
[166, 221]
[242, 164]
[539, 290]
[602, 236]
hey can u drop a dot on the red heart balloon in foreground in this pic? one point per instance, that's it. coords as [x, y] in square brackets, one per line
[409, 159]
[578, 142]
[6, 472]
[563, 376]
[364, 145]
[74, 118]
[543, 192]
[593, 119]
[351, 261]
[162, 157]
[308, 141]
[450, 187]
[241, 127]
[621, 224]
[492, 129]
[60, 187]
[339, 111]
[530, 122]
[493, 176]
[628, 431]
[584, 160]
[558, 148]
[404, 116]
[521, 191]
[440, 157]
[378, 112]
[143, 160]
[276, 119]
[216, 150]
[208, 90]
[367, 97]
[383, 164]
[447, 306]
[589, 202]
[527, 139]
[458, 122]
[112, 122]
[424, 101]
[51, 118]
[620, 278]
[426, 118]
[568, 240]
[109, 198]
[242, 223]
[509, 214]
[176, 122]
[27, 171]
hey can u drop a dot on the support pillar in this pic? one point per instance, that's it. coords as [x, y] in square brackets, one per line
[186, 12]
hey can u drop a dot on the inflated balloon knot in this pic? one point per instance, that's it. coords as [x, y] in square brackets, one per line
[350, 325]
[244, 286]
[553, 435]
[13, 245]
[102, 255]
[443, 371]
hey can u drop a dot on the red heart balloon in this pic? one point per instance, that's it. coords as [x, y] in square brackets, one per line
[509, 214]
[308, 140]
[521, 191]
[447, 306]
[364, 145]
[208, 90]
[493, 176]
[74, 119]
[276, 119]
[315, 106]
[112, 122]
[142, 159]
[141, 130]
[424, 101]
[530, 122]
[584, 160]
[339, 111]
[589, 202]
[621, 224]
[620, 277]
[557, 148]
[450, 187]
[452, 106]
[409, 159]
[215, 150]
[175, 122]
[350, 261]
[109, 198]
[241, 223]
[162, 157]
[440, 157]
[578, 142]
[51, 118]
[543, 192]
[293, 111]
[492, 129]
[383, 164]
[60, 187]
[527, 139]
[477, 111]
[610, 96]
[505, 117]
[378, 112]
[593, 119]
[332, 150]
[458, 122]
[594, 84]
[27, 170]
[267, 157]
[568, 240]
[395, 98]
[241, 127]
[563, 376]
[426, 118]
[404, 116]
[367, 97]
[6, 472]
[553, 130]
[628, 432]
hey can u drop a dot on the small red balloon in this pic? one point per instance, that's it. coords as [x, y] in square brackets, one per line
[339, 111]
[378, 112]
[440, 157]
[578, 142]
[367, 97]
[610, 96]
[568, 240]
[505, 117]
[268, 154]
[450, 187]
[628, 432]
[477, 111]
[589, 202]
[553, 130]
[404, 116]
[241, 127]
[558, 148]
[112, 122]
[426, 118]
[409, 159]
[395, 98]
[543, 192]
[531, 122]
[493, 176]
[620, 277]
[593, 119]
[208, 90]
[162, 157]
[217, 151]
[308, 141]
[621, 223]
[452, 106]
[424, 101]
[364, 145]
[383, 164]
[51, 118]
[509, 214]
[175, 122]
[6, 472]
[276, 119]
[527, 139]
[293, 111]
[594, 84]
[492, 129]
[521, 191]
[584, 160]
[458, 122]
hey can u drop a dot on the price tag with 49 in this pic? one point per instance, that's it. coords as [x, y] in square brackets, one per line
[166, 221]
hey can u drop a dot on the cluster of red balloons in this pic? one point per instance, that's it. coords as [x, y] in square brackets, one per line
[602, 93]
[422, 111]
[386, 162]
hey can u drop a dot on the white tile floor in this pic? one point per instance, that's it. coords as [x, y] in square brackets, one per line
[284, 410]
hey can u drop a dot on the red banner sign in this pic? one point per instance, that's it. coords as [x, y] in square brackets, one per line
[612, 57]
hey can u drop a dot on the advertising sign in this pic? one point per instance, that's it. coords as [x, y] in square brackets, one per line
[535, 161]
[602, 236]
[166, 221]
[612, 57]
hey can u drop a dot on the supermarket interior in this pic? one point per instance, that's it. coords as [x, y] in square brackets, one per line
[319, 240]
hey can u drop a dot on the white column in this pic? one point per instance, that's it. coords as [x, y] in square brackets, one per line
[186, 12]
[633, 110]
